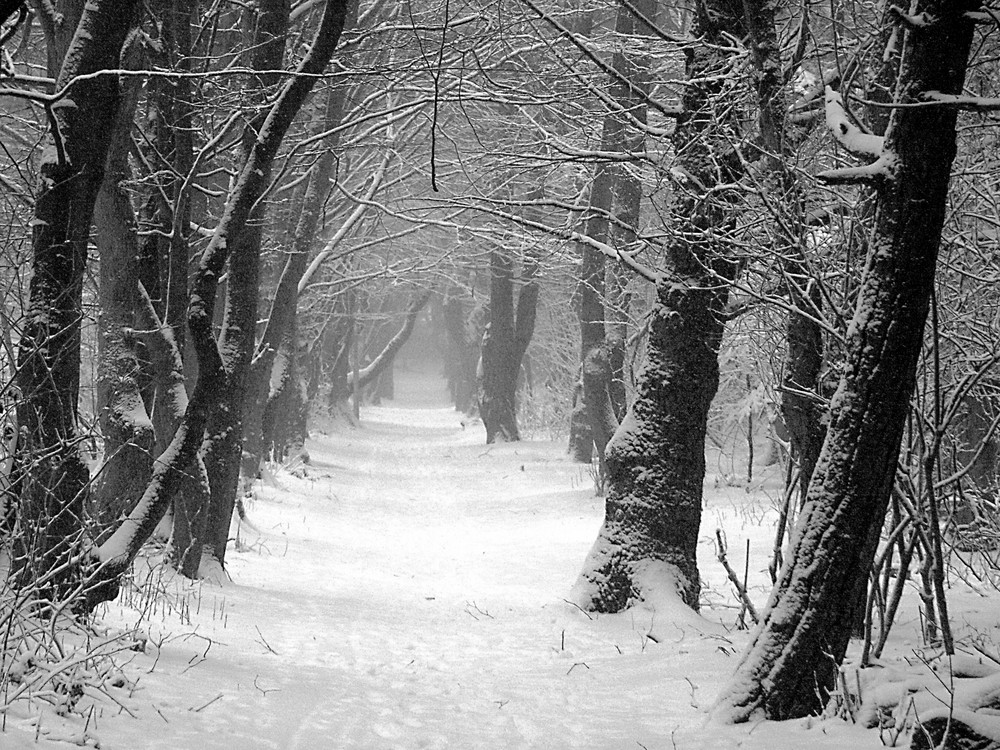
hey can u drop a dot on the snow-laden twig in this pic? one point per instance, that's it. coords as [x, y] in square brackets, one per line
[880, 168]
[972, 103]
[741, 589]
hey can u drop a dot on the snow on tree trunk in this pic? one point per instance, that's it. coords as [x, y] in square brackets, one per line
[615, 198]
[55, 480]
[504, 343]
[166, 252]
[284, 306]
[791, 664]
[286, 412]
[125, 426]
[224, 439]
[118, 552]
[801, 406]
[285, 302]
[656, 460]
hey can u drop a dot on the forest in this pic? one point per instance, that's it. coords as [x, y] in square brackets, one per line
[480, 337]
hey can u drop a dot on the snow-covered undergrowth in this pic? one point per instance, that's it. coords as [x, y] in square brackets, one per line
[407, 588]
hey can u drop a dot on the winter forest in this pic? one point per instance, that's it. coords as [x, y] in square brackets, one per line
[499, 374]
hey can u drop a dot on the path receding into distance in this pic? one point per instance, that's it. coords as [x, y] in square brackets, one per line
[407, 589]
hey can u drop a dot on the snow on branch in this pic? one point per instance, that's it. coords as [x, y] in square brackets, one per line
[849, 135]
[983, 15]
[855, 140]
[626, 258]
[880, 168]
[913, 20]
[972, 103]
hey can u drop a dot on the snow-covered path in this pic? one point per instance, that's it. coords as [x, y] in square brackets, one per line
[407, 589]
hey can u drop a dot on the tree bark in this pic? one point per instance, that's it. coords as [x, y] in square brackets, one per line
[284, 306]
[802, 408]
[285, 415]
[656, 459]
[224, 439]
[54, 485]
[613, 216]
[581, 437]
[116, 554]
[125, 425]
[463, 353]
[790, 666]
[504, 343]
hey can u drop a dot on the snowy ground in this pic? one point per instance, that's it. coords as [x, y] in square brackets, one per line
[407, 589]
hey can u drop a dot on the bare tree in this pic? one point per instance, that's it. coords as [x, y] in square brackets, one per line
[790, 666]
[117, 553]
[55, 478]
[656, 459]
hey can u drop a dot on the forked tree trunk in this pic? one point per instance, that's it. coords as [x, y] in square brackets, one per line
[791, 664]
[504, 343]
[55, 480]
[656, 459]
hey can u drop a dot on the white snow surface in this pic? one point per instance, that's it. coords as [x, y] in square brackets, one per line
[408, 589]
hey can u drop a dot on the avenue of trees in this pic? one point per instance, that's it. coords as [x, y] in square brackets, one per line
[631, 223]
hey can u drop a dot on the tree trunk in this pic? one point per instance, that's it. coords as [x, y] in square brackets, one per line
[656, 459]
[340, 341]
[790, 666]
[581, 436]
[504, 343]
[367, 375]
[54, 486]
[802, 408]
[615, 199]
[224, 440]
[463, 353]
[284, 419]
[125, 425]
[284, 307]
[190, 502]
[116, 554]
